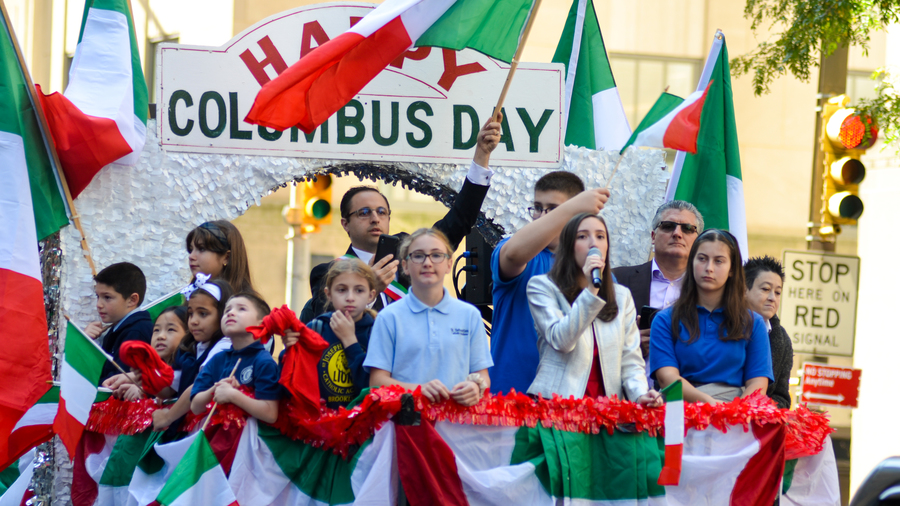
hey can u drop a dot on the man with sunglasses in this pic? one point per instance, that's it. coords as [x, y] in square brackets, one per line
[657, 283]
[366, 215]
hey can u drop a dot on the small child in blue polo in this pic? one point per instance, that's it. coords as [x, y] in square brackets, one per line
[257, 369]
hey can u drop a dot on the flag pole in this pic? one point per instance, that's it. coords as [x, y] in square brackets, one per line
[216, 404]
[515, 61]
[48, 139]
[107, 355]
[622, 156]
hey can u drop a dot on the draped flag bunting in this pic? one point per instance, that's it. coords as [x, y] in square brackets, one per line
[323, 81]
[197, 479]
[31, 208]
[594, 112]
[711, 178]
[102, 118]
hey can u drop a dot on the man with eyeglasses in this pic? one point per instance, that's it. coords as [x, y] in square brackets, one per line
[558, 196]
[657, 283]
[366, 214]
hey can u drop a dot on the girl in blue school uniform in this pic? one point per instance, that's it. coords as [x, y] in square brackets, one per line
[710, 339]
[428, 338]
[349, 288]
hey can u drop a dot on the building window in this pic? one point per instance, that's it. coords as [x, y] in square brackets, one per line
[150, 63]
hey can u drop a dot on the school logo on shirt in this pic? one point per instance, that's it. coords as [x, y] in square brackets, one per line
[246, 375]
[334, 373]
[459, 332]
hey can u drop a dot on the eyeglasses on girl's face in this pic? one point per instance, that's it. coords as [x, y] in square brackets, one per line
[418, 257]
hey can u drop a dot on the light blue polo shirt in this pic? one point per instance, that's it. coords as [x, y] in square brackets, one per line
[417, 343]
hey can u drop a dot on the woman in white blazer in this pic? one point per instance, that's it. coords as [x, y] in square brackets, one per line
[587, 336]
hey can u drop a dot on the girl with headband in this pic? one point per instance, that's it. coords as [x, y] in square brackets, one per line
[709, 338]
[216, 248]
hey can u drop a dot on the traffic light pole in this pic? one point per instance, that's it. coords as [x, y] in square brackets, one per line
[832, 82]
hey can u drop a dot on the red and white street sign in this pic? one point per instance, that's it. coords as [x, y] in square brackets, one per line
[831, 385]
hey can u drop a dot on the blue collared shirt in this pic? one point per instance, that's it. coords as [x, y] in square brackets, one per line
[257, 370]
[417, 343]
[709, 359]
[120, 322]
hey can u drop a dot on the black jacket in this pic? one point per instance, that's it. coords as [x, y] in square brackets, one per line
[456, 224]
[137, 327]
[782, 364]
[637, 279]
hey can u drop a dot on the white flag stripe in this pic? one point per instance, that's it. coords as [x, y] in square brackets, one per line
[737, 219]
[612, 131]
[573, 57]
[39, 414]
[95, 463]
[18, 250]
[78, 392]
[16, 492]
[102, 66]
[144, 488]
[210, 490]
[674, 423]
[417, 16]
[710, 466]
[815, 480]
[376, 466]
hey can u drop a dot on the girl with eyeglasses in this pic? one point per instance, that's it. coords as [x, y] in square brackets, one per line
[709, 338]
[587, 335]
[428, 338]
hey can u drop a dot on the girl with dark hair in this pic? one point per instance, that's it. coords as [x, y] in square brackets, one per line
[709, 338]
[587, 335]
[216, 248]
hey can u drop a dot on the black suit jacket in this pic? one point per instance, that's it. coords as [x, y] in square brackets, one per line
[637, 279]
[456, 225]
[138, 327]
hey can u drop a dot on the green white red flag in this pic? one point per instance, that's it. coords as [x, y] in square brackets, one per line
[711, 178]
[102, 118]
[671, 123]
[33, 428]
[671, 471]
[198, 479]
[79, 373]
[323, 81]
[595, 118]
[31, 208]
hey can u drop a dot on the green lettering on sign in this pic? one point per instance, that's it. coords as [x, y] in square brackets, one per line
[173, 119]
[505, 135]
[420, 124]
[267, 135]
[376, 124]
[212, 133]
[458, 111]
[534, 131]
[355, 122]
[236, 132]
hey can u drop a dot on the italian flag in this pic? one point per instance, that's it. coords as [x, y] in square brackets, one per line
[35, 427]
[159, 305]
[396, 291]
[15, 493]
[31, 208]
[102, 118]
[711, 178]
[671, 123]
[80, 371]
[594, 112]
[323, 81]
[197, 479]
[674, 439]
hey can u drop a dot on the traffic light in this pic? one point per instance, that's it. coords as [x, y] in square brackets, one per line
[845, 138]
[314, 209]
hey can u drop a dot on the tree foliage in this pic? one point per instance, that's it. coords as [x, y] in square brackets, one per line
[811, 28]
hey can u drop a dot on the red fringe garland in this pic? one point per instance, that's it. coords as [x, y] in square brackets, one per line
[342, 429]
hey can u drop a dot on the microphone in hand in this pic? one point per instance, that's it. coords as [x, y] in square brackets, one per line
[596, 275]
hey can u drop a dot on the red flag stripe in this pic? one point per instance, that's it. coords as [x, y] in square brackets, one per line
[427, 466]
[671, 471]
[25, 361]
[68, 428]
[758, 483]
[682, 132]
[314, 88]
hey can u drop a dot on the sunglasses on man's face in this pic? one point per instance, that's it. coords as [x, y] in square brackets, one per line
[669, 227]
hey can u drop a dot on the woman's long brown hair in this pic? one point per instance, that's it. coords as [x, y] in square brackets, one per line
[222, 237]
[567, 275]
[738, 323]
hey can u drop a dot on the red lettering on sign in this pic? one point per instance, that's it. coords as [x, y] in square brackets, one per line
[312, 30]
[452, 70]
[258, 68]
[418, 54]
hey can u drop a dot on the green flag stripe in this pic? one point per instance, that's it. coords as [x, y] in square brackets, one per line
[702, 180]
[663, 105]
[198, 460]
[51, 397]
[19, 116]
[124, 457]
[575, 465]
[139, 86]
[673, 392]
[318, 473]
[491, 27]
[158, 307]
[82, 355]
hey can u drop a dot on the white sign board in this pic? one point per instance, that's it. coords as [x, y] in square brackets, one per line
[818, 303]
[425, 107]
